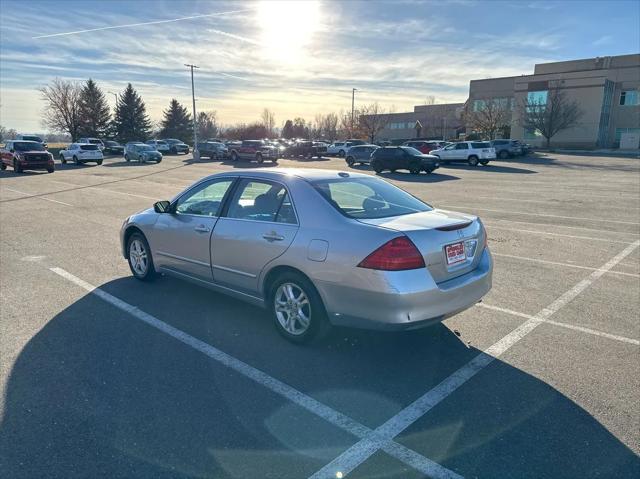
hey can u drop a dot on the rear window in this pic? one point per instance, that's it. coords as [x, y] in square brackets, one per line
[483, 144]
[88, 147]
[368, 198]
[32, 138]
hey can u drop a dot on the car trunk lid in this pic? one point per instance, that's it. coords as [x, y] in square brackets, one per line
[449, 242]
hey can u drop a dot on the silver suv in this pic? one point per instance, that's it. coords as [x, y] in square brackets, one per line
[507, 148]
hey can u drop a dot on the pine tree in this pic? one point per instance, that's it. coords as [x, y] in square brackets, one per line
[176, 122]
[131, 122]
[94, 111]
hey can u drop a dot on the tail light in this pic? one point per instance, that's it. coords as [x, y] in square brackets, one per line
[397, 254]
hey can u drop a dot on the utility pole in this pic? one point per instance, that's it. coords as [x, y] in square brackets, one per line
[196, 153]
[115, 95]
[353, 102]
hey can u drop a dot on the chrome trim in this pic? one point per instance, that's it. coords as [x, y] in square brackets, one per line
[230, 270]
[182, 258]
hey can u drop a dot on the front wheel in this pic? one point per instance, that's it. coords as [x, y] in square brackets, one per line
[99, 162]
[414, 171]
[503, 155]
[259, 158]
[341, 153]
[76, 161]
[16, 167]
[50, 170]
[350, 160]
[126, 158]
[297, 308]
[62, 160]
[234, 156]
[3, 166]
[473, 160]
[139, 258]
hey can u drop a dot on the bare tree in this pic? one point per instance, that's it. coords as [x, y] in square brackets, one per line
[549, 118]
[207, 124]
[488, 115]
[372, 120]
[268, 120]
[62, 111]
[330, 126]
[430, 100]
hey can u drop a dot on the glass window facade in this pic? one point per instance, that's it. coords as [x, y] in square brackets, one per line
[537, 97]
[629, 98]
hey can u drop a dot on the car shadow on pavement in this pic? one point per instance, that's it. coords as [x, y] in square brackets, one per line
[249, 164]
[98, 393]
[435, 177]
[490, 168]
[118, 164]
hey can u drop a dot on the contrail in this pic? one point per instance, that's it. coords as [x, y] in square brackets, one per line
[144, 23]
[232, 76]
[235, 37]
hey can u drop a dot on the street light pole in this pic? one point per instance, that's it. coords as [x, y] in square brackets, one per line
[115, 95]
[353, 102]
[196, 153]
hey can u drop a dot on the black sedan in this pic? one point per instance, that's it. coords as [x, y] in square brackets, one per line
[394, 158]
[113, 148]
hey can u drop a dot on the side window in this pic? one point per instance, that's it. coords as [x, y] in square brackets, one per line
[205, 200]
[398, 153]
[450, 147]
[261, 201]
[462, 146]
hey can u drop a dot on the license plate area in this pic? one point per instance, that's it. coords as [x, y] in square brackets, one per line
[455, 253]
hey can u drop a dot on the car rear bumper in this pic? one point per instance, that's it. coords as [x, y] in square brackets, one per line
[405, 300]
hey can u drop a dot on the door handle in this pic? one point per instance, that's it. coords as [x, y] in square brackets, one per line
[201, 229]
[272, 236]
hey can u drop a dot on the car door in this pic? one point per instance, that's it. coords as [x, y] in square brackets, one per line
[181, 239]
[5, 153]
[461, 151]
[259, 225]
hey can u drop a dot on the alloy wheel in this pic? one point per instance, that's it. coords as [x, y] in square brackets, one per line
[292, 308]
[138, 257]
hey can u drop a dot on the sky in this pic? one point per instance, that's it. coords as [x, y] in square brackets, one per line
[297, 58]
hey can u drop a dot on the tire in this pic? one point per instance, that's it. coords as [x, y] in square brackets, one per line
[234, 156]
[378, 170]
[484, 162]
[50, 170]
[259, 158]
[415, 171]
[126, 158]
[62, 160]
[288, 289]
[16, 167]
[350, 161]
[473, 160]
[3, 166]
[503, 155]
[99, 162]
[158, 161]
[76, 161]
[341, 153]
[141, 266]
[428, 171]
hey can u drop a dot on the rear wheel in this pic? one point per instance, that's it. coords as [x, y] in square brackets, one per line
[3, 166]
[16, 167]
[350, 160]
[297, 308]
[139, 258]
[503, 155]
[50, 170]
[428, 171]
[341, 153]
[473, 160]
[484, 162]
[415, 171]
[126, 158]
[259, 158]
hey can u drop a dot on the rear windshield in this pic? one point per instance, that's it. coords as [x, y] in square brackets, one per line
[368, 198]
[146, 148]
[95, 141]
[483, 144]
[32, 138]
[88, 147]
[27, 146]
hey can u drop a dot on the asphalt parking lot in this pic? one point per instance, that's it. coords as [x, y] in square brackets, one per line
[104, 376]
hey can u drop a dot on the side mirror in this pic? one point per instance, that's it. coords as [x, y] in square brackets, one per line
[161, 206]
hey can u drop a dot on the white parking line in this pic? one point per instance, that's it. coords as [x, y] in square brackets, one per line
[344, 422]
[606, 240]
[594, 332]
[29, 195]
[560, 226]
[366, 447]
[598, 220]
[99, 188]
[568, 265]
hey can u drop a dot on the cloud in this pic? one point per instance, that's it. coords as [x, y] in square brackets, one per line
[155, 22]
[603, 40]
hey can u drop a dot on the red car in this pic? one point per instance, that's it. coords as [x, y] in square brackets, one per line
[424, 146]
[25, 155]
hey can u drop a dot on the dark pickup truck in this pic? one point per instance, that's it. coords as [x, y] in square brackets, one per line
[306, 149]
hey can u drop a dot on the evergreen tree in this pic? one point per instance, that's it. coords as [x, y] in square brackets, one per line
[177, 123]
[287, 130]
[94, 111]
[130, 121]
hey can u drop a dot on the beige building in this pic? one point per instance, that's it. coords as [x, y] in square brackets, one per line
[425, 121]
[606, 88]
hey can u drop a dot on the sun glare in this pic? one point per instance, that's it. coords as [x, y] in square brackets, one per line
[287, 27]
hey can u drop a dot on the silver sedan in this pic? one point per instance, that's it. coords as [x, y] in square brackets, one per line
[316, 248]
